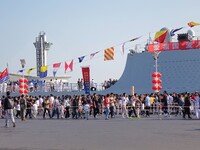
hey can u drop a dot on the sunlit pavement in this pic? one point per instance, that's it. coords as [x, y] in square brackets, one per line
[152, 133]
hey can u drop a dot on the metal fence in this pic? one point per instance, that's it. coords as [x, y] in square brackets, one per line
[65, 87]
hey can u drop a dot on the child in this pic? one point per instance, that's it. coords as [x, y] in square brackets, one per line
[62, 111]
[18, 109]
[86, 110]
[35, 109]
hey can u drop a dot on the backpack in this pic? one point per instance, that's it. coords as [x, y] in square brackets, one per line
[10, 103]
[22, 103]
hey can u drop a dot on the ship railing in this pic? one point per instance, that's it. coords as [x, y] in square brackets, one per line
[66, 87]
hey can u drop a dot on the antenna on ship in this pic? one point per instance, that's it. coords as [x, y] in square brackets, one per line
[149, 41]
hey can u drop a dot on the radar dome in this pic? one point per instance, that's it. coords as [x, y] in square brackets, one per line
[191, 32]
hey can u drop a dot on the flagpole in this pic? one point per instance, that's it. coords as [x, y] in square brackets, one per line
[23, 65]
[22, 78]
[8, 70]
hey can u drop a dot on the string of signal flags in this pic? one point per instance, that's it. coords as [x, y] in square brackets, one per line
[109, 53]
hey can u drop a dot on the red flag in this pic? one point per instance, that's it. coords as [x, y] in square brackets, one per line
[56, 65]
[69, 66]
[4, 76]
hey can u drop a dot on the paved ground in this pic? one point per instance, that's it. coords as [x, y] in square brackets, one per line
[114, 134]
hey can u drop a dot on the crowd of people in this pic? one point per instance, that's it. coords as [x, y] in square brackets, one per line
[109, 83]
[110, 105]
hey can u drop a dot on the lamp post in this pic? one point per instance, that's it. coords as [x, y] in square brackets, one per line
[156, 81]
[155, 57]
[23, 63]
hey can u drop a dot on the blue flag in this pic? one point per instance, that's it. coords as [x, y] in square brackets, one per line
[175, 30]
[21, 71]
[80, 59]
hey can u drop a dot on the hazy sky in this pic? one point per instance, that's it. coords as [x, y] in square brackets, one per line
[81, 27]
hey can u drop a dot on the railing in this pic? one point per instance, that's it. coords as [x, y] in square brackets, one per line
[65, 87]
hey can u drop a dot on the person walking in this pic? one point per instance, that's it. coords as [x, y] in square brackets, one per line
[35, 109]
[147, 105]
[29, 107]
[18, 109]
[67, 107]
[197, 105]
[107, 106]
[112, 105]
[46, 107]
[95, 105]
[187, 105]
[2, 104]
[56, 105]
[137, 106]
[8, 107]
[23, 106]
[124, 103]
[86, 108]
[75, 107]
[165, 103]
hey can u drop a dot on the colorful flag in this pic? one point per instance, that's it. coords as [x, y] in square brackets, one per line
[192, 24]
[69, 66]
[86, 79]
[160, 36]
[4, 76]
[43, 71]
[56, 66]
[174, 30]
[29, 71]
[92, 55]
[80, 59]
[109, 54]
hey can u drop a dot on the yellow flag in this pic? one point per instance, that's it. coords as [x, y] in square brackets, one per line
[109, 54]
[29, 71]
[192, 24]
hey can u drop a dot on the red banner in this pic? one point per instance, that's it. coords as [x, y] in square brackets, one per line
[86, 79]
[168, 46]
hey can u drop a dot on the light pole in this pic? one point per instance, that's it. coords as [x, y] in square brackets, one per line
[23, 62]
[155, 57]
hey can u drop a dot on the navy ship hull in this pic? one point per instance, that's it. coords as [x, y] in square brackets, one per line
[180, 71]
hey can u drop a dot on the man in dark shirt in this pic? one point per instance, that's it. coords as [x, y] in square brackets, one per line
[95, 105]
[165, 103]
[187, 105]
[8, 107]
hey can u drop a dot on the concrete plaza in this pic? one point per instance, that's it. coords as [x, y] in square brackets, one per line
[114, 134]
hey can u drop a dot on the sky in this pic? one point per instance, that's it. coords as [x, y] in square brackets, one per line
[81, 27]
